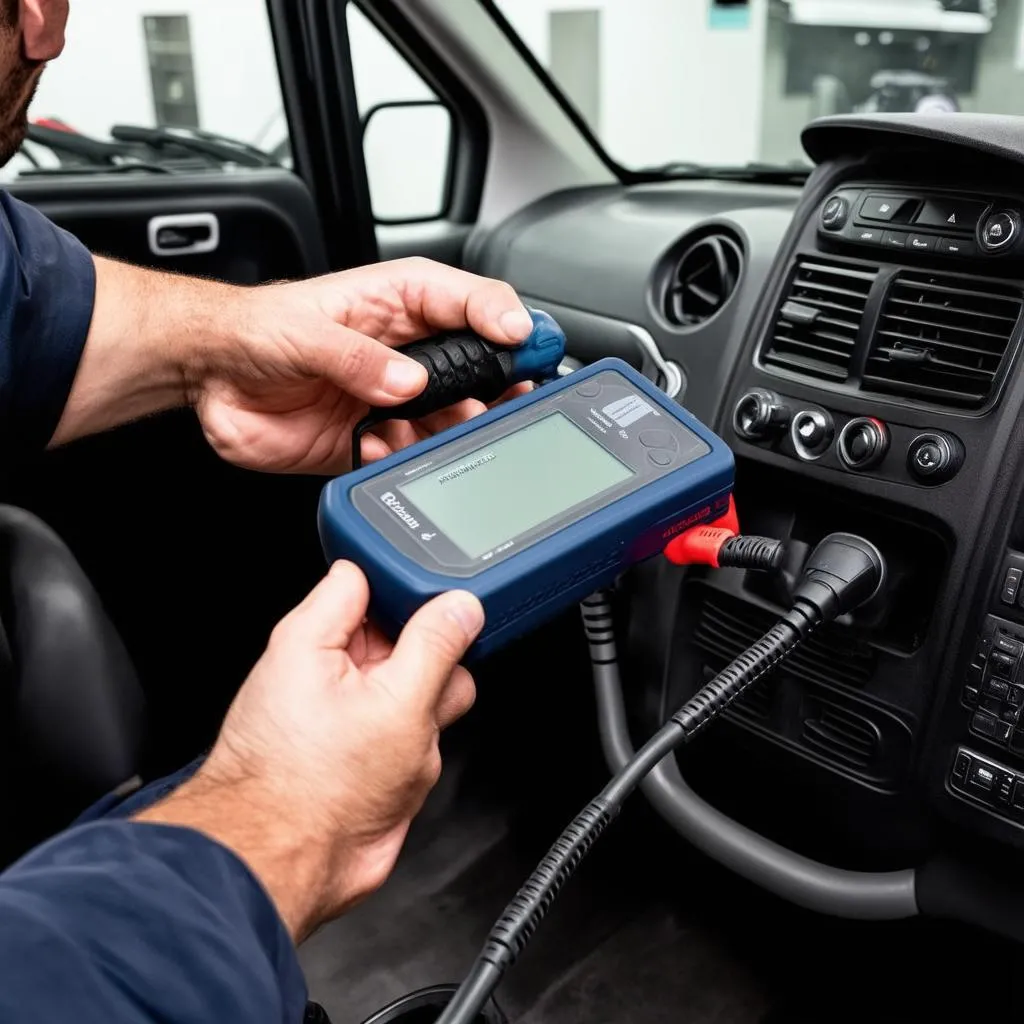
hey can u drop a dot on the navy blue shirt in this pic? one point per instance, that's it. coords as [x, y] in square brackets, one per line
[113, 921]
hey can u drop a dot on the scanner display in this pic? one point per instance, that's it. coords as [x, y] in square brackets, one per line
[492, 495]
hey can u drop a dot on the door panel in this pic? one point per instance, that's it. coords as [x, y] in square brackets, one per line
[194, 560]
[267, 223]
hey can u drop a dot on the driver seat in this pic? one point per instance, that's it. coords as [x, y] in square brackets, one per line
[71, 706]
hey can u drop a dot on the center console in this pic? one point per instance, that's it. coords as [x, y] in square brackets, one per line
[881, 391]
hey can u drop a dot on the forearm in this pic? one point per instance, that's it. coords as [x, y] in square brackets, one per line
[293, 867]
[150, 336]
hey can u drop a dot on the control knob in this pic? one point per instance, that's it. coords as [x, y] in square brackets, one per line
[758, 414]
[811, 432]
[835, 213]
[999, 231]
[863, 443]
[934, 458]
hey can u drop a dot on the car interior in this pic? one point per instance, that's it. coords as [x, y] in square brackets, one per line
[847, 841]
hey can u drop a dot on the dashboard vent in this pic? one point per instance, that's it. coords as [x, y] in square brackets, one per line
[816, 328]
[727, 626]
[703, 280]
[840, 734]
[943, 338]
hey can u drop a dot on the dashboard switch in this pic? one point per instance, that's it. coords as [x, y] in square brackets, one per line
[934, 458]
[922, 243]
[863, 443]
[759, 414]
[959, 215]
[811, 432]
[882, 207]
[999, 231]
[955, 247]
[894, 240]
[835, 213]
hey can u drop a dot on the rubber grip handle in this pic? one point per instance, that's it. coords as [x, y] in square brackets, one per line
[459, 365]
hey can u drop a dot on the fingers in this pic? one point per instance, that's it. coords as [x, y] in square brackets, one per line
[446, 298]
[365, 368]
[431, 646]
[457, 698]
[332, 612]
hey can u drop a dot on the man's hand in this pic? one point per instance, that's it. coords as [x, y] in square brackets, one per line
[331, 747]
[281, 374]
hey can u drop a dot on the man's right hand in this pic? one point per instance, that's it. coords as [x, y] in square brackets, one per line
[331, 747]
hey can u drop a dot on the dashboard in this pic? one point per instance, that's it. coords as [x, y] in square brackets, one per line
[857, 342]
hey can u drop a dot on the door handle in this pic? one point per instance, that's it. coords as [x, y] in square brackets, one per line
[184, 234]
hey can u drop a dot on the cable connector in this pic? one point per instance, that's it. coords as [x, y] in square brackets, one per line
[717, 545]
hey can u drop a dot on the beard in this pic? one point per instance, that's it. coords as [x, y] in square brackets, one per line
[19, 79]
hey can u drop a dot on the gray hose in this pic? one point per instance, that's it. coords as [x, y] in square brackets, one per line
[864, 895]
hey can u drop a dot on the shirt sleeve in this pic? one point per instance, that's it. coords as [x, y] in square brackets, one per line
[47, 292]
[120, 922]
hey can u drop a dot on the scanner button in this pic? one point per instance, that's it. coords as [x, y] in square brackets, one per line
[661, 458]
[659, 439]
[589, 389]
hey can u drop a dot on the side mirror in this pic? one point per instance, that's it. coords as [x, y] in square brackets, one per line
[408, 149]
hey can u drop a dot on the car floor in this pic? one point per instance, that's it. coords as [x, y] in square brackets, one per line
[647, 931]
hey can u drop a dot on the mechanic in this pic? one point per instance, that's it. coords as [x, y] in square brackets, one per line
[185, 902]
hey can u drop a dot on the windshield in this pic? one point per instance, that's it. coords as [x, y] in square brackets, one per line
[676, 83]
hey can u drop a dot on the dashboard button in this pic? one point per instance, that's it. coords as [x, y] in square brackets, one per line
[961, 765]
[1018, 795]
[881, 207]
[835, 213]
[863, 443]
[868, 236]
[659, 439]
[1000, 230]
[921, 243]
[811, 432]
[660, 458]
[962, 215]
[983, 725]
[956, 247]
[758, 414]
[1011, 586]
[934, 458]
[895, 239]
[589, 389]
[983, 777]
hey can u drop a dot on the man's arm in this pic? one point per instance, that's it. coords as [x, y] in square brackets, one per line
[116, 922]
[279, 374]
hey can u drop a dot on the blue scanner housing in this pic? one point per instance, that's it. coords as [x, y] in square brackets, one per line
[682, 475]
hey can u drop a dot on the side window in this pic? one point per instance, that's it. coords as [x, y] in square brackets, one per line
[408, 132]
[203, 70]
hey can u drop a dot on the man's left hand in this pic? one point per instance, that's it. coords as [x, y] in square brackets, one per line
[319, 353]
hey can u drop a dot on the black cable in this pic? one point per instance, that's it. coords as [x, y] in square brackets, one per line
[843, 573]
[357, 439]
[528, 907]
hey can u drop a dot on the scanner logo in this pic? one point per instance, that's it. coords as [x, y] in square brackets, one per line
[626, 411]
[400, 510]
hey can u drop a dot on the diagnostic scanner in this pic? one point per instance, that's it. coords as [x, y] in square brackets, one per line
[531, 506]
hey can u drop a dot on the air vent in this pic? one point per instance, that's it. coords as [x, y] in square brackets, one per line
[703, 280]
[816, 328]
[840, 735]
[943, 338]
[727, 626]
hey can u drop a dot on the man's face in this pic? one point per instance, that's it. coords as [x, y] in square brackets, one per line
[31, 33]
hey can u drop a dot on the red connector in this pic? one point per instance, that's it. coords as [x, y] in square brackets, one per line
[700, 544]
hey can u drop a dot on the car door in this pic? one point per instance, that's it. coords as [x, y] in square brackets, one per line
[188, 554]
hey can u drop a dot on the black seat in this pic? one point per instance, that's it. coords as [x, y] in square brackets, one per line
[71, 707]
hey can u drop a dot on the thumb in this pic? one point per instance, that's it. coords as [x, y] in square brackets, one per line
[432, 645]
[366, 368]
[332, 612]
